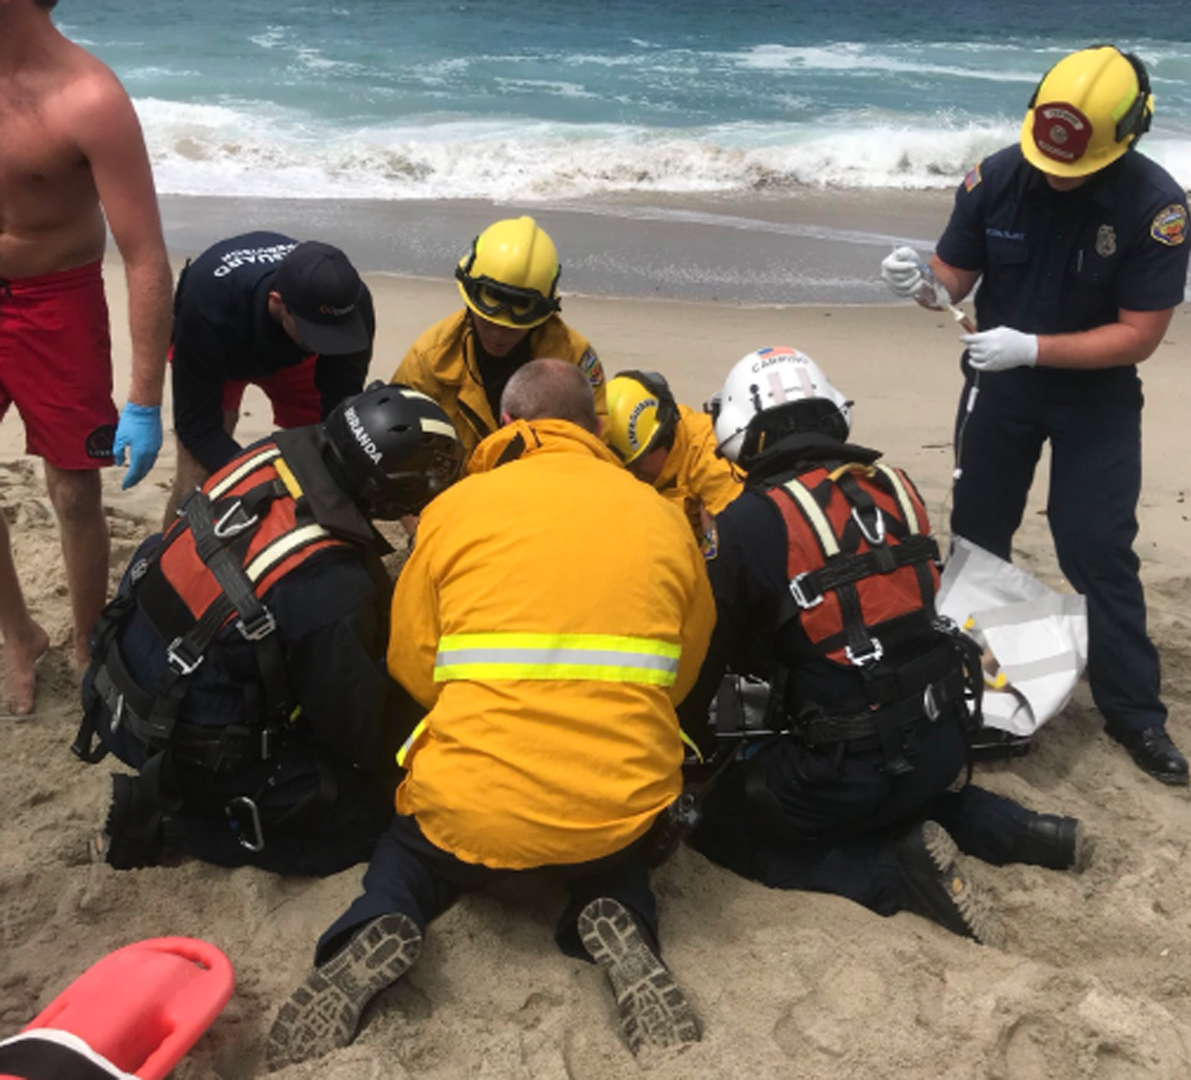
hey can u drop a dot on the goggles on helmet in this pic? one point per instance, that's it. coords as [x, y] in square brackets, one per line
[428, 473]
[443, 469]
[522, 307]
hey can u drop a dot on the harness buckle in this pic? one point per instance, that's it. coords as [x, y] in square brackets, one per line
[874, 654]
[225, 528]
[260, 627]
[255, 842]
[118, 713]
[138, 570]
[930, 706]
[181, 664]
[800, 594]
[879, 519]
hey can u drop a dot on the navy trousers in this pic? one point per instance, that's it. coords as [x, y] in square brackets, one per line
[793, 818]
[316, 816]
[1093, 422]
[409, 875]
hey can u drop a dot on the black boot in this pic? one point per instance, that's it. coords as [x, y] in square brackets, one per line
[132, 833]
[324, 1012]
[653, 1009]
[1155, 753]
[939, 886]
[1058, 843]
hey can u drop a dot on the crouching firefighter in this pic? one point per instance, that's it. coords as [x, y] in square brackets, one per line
[852, 778]
[240, 668]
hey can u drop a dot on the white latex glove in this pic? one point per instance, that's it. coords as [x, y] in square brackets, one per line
[1001, 348]
[902, 271]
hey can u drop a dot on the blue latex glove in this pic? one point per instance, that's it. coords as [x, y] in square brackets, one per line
[139, 432]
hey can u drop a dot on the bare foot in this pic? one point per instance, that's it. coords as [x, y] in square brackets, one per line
[20, 676]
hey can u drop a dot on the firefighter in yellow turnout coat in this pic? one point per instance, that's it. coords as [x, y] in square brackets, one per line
[669, 446]
[509, 284]
[551, 675]
[553, 613]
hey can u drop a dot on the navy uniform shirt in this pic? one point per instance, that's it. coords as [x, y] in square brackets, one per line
[223, 333]
[1059, 262]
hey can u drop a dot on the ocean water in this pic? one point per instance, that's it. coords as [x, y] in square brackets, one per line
[556, 102]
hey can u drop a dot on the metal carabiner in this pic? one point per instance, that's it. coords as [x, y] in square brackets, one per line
[224, 528]
[929, 705]
[879, 538]
[257, 841]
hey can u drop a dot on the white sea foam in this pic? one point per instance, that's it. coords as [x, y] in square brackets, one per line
[259, 150]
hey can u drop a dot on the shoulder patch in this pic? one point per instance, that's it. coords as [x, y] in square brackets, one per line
[1170, 225]
[709, 543]
[973, 178]
[590, 365]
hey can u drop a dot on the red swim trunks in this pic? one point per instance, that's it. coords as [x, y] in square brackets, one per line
[56, 365]
[296, 400]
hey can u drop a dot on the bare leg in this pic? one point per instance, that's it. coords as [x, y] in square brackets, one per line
[77, 498]
[188, 474]
[24, 640]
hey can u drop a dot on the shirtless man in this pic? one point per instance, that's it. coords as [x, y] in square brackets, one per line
[72, 152]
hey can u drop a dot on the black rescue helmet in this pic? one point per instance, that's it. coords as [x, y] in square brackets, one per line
[398, 449]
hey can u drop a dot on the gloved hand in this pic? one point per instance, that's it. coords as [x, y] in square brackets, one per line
[902, 271]
[1001, 348]
[139, 432]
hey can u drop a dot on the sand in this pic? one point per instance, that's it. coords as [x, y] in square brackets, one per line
[1093, 979]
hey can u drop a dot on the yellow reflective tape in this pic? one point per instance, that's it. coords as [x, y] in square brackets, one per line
[437, 427]
[692, 744]
[269, 556]
[406, 746]
[814, 516]
[599, 657]
[531, 640]
[243, 469]
[498, 672]
[288, 479]
[903, 498]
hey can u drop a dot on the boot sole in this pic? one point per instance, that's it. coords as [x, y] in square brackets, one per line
[323, 1014]
[969, 903]
[653, 1010]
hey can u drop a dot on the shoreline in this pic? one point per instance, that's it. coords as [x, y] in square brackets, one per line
[808, 247]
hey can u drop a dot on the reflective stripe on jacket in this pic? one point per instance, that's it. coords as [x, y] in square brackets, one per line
[552, 614]
[442, 364]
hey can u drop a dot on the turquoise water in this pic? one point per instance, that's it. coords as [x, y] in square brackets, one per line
[544, 101]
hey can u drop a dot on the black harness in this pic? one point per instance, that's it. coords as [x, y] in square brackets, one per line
[222, 520]
[916, 667]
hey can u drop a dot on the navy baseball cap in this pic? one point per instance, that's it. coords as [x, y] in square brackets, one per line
[322, 291]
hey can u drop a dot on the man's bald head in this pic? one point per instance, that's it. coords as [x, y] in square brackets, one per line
[550, 390]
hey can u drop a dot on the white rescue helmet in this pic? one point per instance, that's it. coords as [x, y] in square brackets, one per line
[773, 392]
